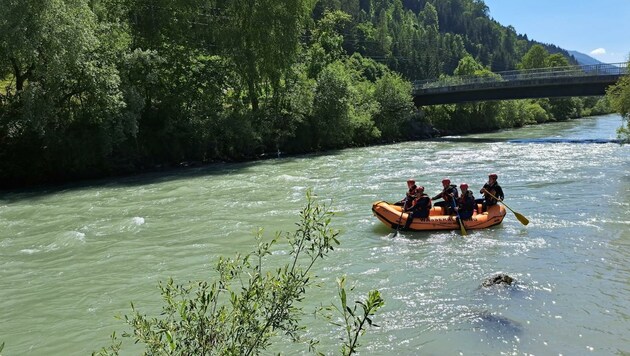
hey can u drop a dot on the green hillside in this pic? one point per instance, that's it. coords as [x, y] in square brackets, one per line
[105, 87]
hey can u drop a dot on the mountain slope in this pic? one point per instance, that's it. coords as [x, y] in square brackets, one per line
[584, 59]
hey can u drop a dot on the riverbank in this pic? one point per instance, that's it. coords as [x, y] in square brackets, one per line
[418, 130]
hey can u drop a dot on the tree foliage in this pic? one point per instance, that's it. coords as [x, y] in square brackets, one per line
[64, 106]
[619, 97]
[261, 38]
[392, 93]
[536, 57]
[332, 104]
[97, 87]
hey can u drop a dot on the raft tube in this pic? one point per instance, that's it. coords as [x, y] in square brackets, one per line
[390, 215]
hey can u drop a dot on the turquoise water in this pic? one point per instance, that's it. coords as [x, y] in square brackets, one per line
[73, 257]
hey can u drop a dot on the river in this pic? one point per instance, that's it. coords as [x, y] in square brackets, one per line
[73, 257]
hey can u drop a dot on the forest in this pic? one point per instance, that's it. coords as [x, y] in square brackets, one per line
[95, 88]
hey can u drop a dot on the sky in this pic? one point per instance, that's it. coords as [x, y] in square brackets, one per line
[600, 29]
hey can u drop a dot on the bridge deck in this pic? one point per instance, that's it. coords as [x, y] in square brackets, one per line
[538, 83]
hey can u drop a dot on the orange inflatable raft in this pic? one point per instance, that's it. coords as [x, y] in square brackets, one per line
[390, 215]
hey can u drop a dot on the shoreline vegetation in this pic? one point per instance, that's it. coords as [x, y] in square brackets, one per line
[131, 88]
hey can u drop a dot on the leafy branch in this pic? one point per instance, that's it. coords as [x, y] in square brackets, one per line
[248, 304]
[355, 320]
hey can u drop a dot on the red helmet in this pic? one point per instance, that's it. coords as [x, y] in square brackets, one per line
[446, 180]
[493, 176]
[464, 185]
[411, 181]
[420, 188]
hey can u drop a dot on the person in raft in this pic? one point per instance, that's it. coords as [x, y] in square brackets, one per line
[493, 187]
[466, 203]
[420, 208]
[407, 201]
[449, 194]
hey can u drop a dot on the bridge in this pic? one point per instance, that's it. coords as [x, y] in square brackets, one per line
[570, 81]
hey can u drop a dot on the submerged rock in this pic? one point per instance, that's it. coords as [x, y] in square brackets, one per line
[496, 323]
[498, 279]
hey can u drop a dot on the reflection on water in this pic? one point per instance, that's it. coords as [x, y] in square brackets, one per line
[529, 140]
[565, 140]
[72, 258]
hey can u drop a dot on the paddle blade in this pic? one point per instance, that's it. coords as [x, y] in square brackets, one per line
[521, 218]
[461, 226]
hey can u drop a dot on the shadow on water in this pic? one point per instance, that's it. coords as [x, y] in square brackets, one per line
[380, 229]
[159, 175]
[194, 170]
[499, 286]
[494, 323]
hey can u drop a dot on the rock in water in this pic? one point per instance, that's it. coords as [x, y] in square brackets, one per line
[498, 279]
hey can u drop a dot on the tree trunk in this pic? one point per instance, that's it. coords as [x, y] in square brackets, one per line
[20, 77]
[252, 78]
[253, 96]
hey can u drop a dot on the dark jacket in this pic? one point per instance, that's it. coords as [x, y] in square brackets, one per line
[421, 206]
[466, 205]
[407, 201]
[495, 189]
[448, 194]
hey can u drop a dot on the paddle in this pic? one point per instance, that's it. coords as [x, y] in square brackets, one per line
[459, 220]
[402, 211]
[520, 217]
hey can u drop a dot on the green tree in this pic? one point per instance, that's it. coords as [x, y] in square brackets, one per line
[452, 50]
[383, 35]
[468, 66]
[280, 123]
[331, 122]
[65, 111]
[262, 38]
[619, 97]
[393, 94]
[430, 61]
[327, 41]
[534, 58]
[476, 116]
[362, 113]
[562, 108]
[556, 60]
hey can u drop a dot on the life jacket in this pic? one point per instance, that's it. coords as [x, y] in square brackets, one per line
[410, 197]
[422, 202]
[492, 189]
[451, 189]
[467, 201]
[422, 205]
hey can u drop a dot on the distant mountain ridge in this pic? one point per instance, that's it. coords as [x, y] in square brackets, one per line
[587, 60]
[584, 59]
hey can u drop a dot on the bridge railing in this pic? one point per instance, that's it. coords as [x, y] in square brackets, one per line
[526, 74]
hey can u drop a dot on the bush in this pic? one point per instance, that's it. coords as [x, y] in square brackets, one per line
[249, 304]
[619, 98]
